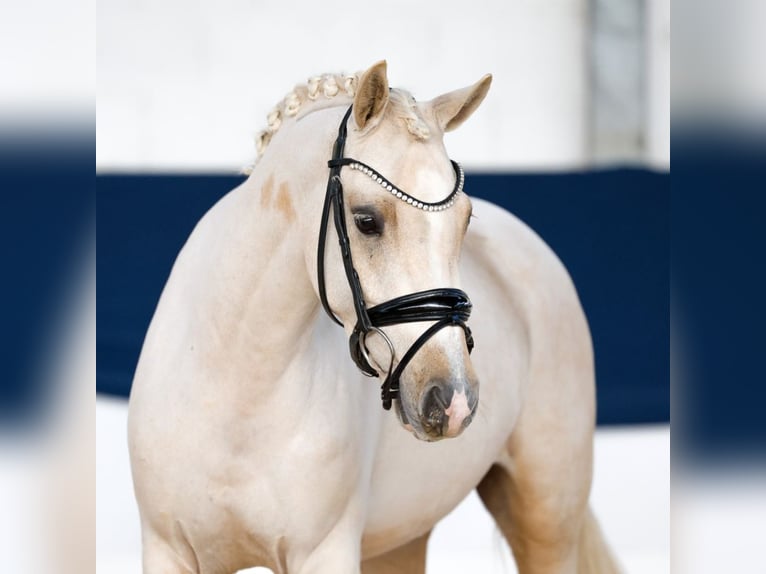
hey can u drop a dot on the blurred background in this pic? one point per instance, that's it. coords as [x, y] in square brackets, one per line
[574, 138]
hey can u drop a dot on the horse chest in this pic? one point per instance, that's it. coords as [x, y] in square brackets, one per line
[415, 484]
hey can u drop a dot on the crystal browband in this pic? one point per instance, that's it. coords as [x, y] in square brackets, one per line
[398, 193]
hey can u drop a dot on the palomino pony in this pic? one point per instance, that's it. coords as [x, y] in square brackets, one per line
[254, 437]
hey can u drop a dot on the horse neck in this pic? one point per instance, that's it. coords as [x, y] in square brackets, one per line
[260, 300]
[257, 306]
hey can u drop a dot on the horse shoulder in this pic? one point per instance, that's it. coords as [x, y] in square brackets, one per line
[519, 259]
[532, 290]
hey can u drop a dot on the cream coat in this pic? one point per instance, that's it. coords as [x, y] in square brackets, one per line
[254, 440]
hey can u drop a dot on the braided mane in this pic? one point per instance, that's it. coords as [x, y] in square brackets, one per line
[317, 90]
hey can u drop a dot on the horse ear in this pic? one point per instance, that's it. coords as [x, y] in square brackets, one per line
[371, 94]
[453, 108]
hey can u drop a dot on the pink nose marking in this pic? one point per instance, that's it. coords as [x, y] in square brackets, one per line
[457, 411]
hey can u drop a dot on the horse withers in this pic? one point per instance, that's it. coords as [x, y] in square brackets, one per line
[255, 437]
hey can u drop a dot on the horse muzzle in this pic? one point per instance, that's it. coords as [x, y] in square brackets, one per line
[442, 411]
[446, 409]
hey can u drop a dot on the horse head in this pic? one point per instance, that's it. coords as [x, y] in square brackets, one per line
[394, 199]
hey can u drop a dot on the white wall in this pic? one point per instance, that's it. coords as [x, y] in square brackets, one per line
[657, 73]
[47, 70]
[185, 85]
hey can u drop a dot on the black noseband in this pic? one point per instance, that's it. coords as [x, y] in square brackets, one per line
[447, 307]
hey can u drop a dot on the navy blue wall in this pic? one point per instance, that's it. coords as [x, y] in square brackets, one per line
[610, 228]
[46, 218]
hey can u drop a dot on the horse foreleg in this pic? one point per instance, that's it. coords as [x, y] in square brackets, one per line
[539, 500]
[407, 559]
[159, 557]
[337, 553]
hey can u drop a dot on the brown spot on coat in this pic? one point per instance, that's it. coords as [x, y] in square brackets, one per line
[284, 203]
[266, 191]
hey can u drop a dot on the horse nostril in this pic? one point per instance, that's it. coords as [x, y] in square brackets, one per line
[433, 408]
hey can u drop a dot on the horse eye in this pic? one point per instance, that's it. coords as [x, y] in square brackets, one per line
[367, 224]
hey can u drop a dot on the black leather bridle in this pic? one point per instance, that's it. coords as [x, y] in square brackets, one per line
[447, 306]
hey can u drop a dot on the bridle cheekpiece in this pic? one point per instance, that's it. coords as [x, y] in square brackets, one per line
[446, 307]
